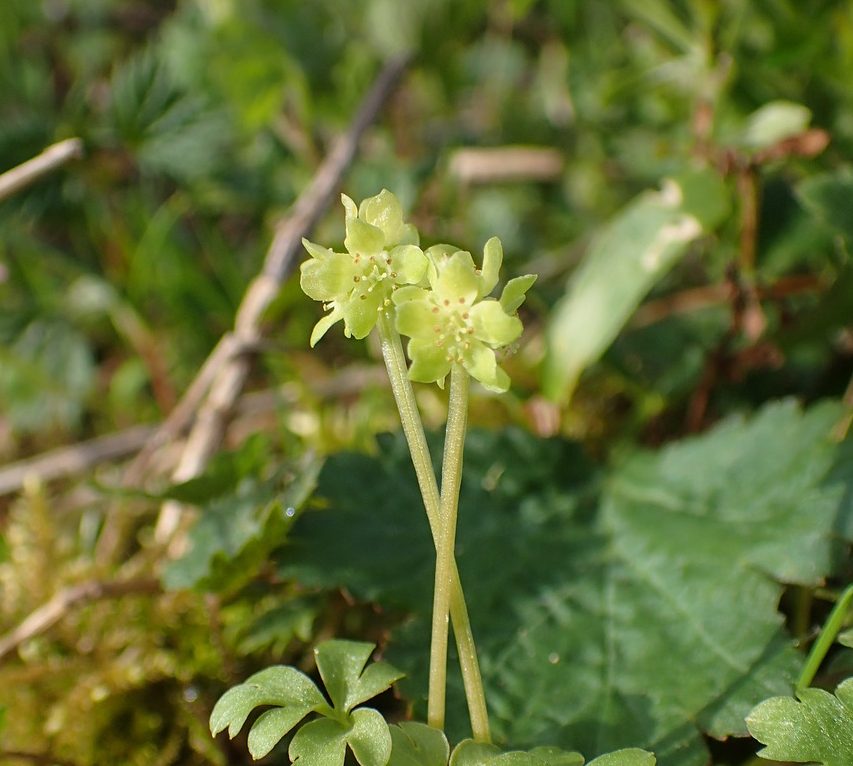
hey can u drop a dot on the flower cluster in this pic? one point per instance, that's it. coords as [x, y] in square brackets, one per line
[439, 296]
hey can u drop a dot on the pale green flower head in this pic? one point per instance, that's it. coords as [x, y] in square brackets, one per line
[381, 255]
[453, 322]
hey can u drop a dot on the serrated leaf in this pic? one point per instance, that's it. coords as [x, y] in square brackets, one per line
[629, 757]
[817, 729]
[238, 529]
[280, 685]
[569, 652]
[416, 744]
[629, 255]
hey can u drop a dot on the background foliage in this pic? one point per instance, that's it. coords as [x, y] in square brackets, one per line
[652, 526]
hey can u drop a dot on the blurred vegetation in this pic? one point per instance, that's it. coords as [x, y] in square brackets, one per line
[202, 122]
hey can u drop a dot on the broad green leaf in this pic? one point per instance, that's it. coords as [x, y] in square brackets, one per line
[243, 518]
[775, 122]
[470, 753]
[282, 686]
[829, 197]
[637, 608]
[416, 744]
[816, 729]
[628, 256]
[629, 757]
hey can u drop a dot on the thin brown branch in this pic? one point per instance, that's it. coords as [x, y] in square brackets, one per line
[74, 459]
[55, 156]
[697, 298]
[206, 434]
[47, 615]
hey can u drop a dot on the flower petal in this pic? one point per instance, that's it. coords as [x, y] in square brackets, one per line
[409, 293]
[384, 212]
[515, 291]
[409, 235]
[493, 256]
[417, 320]
[362, 311]
[362, 238]
[493, 325]
[327, 277]
[429, 362]
[458, 280]
[409, 263]
[479, 360]
[324, 324]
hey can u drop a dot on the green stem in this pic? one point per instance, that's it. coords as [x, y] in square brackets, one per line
[395, 363]
[830, 630]
[451, 481]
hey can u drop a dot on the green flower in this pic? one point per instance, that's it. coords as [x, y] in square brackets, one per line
[452, 322]
[381, 254]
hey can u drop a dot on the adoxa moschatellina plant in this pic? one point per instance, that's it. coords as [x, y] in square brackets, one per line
[439, 299]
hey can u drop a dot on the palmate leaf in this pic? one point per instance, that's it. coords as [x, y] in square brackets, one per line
[322, 742]
[633, 608]
[817, 729]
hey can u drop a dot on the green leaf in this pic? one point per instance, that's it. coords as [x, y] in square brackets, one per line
[829, 197]
[369, 739]
[629, 757]
[323, 742]
[416, 744]
[471, 753]
[282, 686]
[319, 743]
[601, 628]
[775, 122]
[342, 667]
[632, 253]
[817, 729]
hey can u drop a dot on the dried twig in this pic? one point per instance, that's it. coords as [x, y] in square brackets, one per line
[47, 615]
[74, 459]
[227, 383]
[504, 164]
[49, 160]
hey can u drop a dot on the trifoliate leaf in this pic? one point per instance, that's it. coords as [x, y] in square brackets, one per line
[816, 729]
[416, 744]
[597, 600]
[342, 667]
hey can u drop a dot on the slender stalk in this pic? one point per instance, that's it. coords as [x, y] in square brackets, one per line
[395, 362]
[831, 628]
[451, 480]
